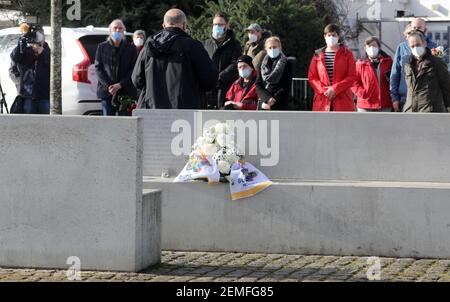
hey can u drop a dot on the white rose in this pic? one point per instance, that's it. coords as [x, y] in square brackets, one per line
[222, 128]
[232, 158]
[209, 135]
[209, 149]
[224, 167]
[219, 155]
[202, 140]
[224, 140]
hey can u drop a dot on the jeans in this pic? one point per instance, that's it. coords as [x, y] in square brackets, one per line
[31, 106]
[107, 107]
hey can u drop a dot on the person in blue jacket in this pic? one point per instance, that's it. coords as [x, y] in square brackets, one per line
[397, 82]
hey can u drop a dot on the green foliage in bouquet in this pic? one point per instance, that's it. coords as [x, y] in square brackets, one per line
[126, 103]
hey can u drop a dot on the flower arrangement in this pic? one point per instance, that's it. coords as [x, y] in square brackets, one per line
[216, 157]
[439, 52]
[218, 143]
[125, 103]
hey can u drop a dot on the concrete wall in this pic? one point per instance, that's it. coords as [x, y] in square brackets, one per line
[346, 184]
[317, 218]
[322, 146]
[72, 186]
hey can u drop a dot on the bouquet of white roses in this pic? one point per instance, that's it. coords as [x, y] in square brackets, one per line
[216, 157]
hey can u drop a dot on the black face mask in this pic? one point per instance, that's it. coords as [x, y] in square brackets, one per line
[423, 33]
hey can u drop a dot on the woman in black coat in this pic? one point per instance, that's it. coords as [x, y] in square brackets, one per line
[275, 78]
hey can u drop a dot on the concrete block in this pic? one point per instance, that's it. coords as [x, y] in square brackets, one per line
[326, 218]
[317, 146]
[72, 186]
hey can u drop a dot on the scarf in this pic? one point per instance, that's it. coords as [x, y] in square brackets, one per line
[272, 76]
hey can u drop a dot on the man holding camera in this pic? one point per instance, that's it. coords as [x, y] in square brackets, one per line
[30, 70]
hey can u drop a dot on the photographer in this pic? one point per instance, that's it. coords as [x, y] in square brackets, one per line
[30, 70]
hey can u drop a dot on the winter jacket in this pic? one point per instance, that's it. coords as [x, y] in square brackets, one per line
[115, 65]
[41, 88]
[281, 93]
[372, 85]
[224, 56]
[247, 96]
[429, 90]
[30, 72]
[344, 76]
[174, 71]
[397, 82]
[256, 50]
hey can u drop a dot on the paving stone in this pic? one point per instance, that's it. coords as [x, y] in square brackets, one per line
[240, 267]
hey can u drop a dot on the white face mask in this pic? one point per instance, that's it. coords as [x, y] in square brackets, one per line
[332, 40]
[138, 42]
[373, 52]
[418, 51]
[252, 38]
[274, 53]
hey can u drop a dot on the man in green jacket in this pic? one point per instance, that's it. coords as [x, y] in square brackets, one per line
[427, 78]
[255, 45]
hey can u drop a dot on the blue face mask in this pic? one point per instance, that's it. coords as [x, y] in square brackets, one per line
[245, 73]
[274, 53]
[218, 32]
[117, 36]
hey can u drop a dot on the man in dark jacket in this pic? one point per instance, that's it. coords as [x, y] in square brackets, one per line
[174, 70]
[224, 50]
[114, 62]
[427, 78]
[30, 71]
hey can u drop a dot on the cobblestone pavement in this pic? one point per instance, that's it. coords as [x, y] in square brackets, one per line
[238, 267]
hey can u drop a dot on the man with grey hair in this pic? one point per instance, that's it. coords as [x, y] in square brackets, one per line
[139, 37]
[114, 62]
[174, 70]
[397, 80]
[427, 78]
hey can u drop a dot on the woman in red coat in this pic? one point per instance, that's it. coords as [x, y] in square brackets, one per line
[242, 94]
[332, 73]
[372, 84]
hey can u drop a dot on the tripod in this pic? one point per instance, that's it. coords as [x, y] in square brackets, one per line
[3, 101]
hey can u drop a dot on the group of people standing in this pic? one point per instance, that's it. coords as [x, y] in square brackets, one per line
[174, 71]
[414, 81]
[171, 70]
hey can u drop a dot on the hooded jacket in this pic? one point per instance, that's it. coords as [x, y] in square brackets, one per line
[371, 87]
[173, 71]
[397, 82]
[429, 89]
[344, 76]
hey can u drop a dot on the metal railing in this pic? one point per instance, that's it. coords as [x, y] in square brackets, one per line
[301, 94]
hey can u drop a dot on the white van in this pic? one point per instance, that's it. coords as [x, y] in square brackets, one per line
[79, 80]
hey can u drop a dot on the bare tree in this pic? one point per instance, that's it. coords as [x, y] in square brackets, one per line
[55, 69]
